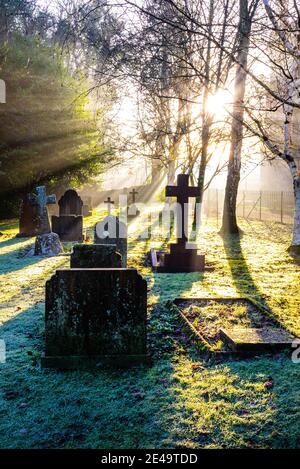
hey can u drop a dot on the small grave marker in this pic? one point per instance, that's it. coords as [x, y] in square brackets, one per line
[112, 230]
[109, 203]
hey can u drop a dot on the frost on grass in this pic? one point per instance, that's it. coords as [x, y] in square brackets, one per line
[182, 400]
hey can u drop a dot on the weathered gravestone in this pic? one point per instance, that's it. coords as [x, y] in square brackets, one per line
[183, 257]
[34, 218]
[70, 203]
[47, 244]
[95, 317]
[112, 231]
[69, 224]
[90, 256]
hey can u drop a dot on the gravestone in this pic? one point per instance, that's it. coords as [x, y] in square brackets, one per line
[95, 317]
[112, 231]
[47, 245]
[183, 257]
[90, 256]
[132, 210]
[109, 203]
[87, 206]
[69, 224]
[28, 217]
[70, 203]
[34, 218]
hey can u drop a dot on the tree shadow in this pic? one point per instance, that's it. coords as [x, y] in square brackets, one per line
[242, 277]
[13, 260]
[295, 255]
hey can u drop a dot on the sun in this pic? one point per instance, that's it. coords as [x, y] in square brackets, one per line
[219, 103]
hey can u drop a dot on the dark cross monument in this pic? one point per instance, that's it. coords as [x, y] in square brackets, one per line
[109, 203]
[132, 210]
[34, 218]
[69, 224]
[133, 193]
[181, 257]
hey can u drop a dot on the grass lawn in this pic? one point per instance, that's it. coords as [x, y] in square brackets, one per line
[184, 399]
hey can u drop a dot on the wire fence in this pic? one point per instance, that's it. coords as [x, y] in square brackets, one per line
[253, 205]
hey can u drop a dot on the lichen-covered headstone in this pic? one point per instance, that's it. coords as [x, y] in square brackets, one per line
[90, 256]
[47, 245]
[95, 317]
[112, 231]
[42, 200]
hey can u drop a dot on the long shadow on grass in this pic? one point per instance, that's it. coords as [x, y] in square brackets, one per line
[241, 274]
[10, 261]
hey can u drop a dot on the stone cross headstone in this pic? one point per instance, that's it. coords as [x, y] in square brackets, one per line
[109, 203]
[42, 200]
[94, 318]
[69, 224]
[112, 231]
[181, 257]
[70, 203]
[132, 210]
[34, 217]
[133, 193]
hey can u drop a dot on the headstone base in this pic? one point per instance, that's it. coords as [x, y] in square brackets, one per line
[100, 361]
[68, 227]
[181, 260]
[132, 212]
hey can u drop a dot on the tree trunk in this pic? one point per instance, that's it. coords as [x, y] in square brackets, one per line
[229, 223]
[295, 246]
[205, 136]
[171, 172]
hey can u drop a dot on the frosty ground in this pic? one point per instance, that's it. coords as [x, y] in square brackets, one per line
[184, 399]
